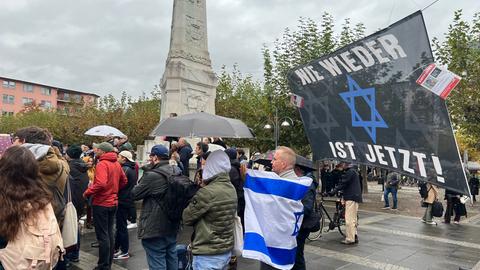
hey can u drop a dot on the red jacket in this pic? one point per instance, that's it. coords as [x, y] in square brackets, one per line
[109, 178]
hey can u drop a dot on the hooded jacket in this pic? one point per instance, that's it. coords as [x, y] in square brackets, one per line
[78, 183]
[212, 210]
[109, 178]
[53, 170]
[125, 197]
[185, 153]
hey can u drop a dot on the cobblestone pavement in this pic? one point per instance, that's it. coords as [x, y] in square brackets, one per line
[388, 240]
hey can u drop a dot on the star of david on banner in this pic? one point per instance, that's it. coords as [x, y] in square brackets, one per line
[368, 94]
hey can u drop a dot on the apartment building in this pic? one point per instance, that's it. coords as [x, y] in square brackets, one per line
[17, 94]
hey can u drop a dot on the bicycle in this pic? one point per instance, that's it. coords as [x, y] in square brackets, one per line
[338, 220]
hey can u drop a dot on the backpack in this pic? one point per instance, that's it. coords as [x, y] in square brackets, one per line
[38, 243]
[422, 189]
[177, 196]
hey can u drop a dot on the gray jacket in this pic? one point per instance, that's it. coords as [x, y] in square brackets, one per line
[151, 188]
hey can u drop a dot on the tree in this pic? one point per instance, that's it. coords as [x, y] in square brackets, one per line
[460, 52]
[241, 97]
[135, 117]
[310, 41]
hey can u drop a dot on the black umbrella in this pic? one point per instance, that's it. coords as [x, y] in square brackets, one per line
[305, 164]
[202, 125]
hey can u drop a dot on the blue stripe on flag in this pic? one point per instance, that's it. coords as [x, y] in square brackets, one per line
[276, 187]
[279, 256]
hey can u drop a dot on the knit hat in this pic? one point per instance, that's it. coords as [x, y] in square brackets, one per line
[104, 146]
[74, 151]
[231, 153]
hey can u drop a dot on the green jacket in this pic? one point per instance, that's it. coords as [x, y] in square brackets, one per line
[212, 212]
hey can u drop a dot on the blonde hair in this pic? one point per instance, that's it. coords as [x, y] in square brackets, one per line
[287, 155]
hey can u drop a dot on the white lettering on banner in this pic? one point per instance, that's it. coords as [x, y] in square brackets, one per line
[390, 44]
[381, 50]
[376, 51]
[386, 156]
[338, 149]
[391, 152]
[364, 56]
[406, 160]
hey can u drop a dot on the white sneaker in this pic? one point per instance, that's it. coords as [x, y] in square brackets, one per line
[132, 226]
[118, 253]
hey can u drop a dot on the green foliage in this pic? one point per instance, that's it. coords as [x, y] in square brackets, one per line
[134, 117]
[310, 41]
[460, 51]
[241, 97]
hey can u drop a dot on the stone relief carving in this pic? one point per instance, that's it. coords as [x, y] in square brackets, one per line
[179, 53]
[194, 32]
[196, 100]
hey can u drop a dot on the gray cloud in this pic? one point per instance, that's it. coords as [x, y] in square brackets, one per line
[114, 45]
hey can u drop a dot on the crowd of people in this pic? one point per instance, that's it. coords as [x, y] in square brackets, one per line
[106, 180]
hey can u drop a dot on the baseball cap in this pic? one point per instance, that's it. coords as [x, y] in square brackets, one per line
[159, 150]
[127, 154]
[104, 146]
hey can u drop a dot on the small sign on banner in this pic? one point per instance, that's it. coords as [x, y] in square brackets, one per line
[439, 80]
[297, 101]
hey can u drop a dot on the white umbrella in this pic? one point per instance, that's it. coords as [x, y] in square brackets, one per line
[104, 131]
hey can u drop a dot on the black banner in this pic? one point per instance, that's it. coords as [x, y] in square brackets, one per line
[362, 104]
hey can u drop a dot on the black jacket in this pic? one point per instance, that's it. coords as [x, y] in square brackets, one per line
[350, 186]
[153, 220]
[237, 182]
[78, 183]
[185, 154]
[308, 202]
[125, 198]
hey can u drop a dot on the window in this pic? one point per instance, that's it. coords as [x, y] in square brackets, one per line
[77, 98]
[8, 84]
[66, 96]
[28, 88]
[8, 99]
[27, 101]
[5, 113]
[46, 91]
[46, 104]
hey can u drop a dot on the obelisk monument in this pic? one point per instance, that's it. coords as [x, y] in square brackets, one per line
[189, 83]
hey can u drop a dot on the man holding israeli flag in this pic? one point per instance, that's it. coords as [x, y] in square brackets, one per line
[274, 212]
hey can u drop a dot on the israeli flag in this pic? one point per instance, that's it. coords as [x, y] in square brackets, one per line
[273, 216]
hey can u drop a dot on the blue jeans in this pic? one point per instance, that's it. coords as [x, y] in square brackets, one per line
[161, 252]
[211, 262]
[394, 196]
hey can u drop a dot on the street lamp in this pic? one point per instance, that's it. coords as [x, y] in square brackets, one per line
[285, 122]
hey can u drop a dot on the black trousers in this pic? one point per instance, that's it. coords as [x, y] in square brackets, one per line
[103, 220]
[450, 209]
[121, 234]
[299, 258]
[132, 213]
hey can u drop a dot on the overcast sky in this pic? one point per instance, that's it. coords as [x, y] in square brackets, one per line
[107, 46]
